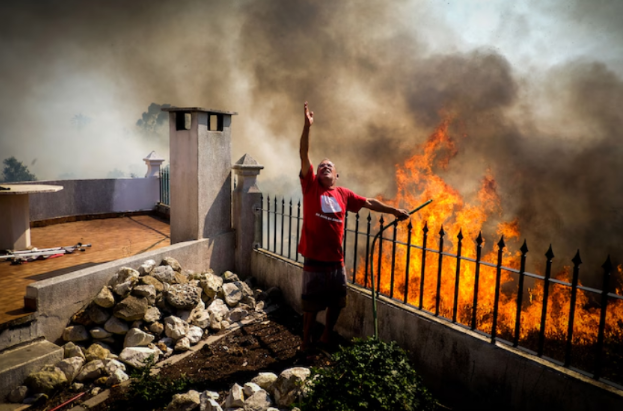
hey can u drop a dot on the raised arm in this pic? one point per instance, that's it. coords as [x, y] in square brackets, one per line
[304, 145]
[376, 205]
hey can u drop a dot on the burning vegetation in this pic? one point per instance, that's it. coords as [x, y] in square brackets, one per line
[467, 294]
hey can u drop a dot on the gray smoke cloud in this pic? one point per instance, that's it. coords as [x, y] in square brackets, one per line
[376, 81]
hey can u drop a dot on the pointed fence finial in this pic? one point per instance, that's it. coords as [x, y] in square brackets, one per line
[501, 243]
[460, 235]
[550, 253]
[441, 232]
[425, 229]
[577, 260]
[524, 247]
[607, 265]
[479, 239]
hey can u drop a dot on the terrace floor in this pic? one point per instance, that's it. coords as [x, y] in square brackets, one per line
[110, 239]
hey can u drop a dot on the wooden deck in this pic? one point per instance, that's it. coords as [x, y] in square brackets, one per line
[111, 239]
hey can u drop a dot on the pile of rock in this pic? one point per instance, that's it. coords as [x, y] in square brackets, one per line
[265, 392]
[147, 313]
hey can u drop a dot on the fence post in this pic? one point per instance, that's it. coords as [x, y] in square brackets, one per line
[153, 162]
[247, 212]
[607, 266]
[574, 292]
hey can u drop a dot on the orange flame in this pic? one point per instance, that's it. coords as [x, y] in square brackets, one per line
[417, 181]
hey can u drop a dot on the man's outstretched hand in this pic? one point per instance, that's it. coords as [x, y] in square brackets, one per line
[401, 214]
[309, 116]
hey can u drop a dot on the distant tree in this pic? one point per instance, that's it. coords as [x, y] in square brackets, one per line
[15, 171]
[153, 118]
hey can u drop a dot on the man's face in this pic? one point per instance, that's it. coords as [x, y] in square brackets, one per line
[327, 173]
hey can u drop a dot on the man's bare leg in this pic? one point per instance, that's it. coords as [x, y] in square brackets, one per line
[309, 318]
[333, 314]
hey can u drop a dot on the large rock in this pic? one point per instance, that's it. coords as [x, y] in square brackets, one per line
[123, 289]
[164, 274]
[201, 319]
[98, 314]
[111, 365]
[75, 333]
[91, 371]
[183, 344]
[105, 298]
[149, 280]
[244, 289]
[152, 314]
[125, 274]
[265, 380]
[231, 294]
[173, 263]
[145, 291]
[181, 278]
[157, 328]
[99, 333]
[174, 327]
[71, 367]
[209, 404]
[131, 308]
[230, 277]
[117, 377]
[96, 352]
[137, 338]
[72, 350]
[137, 357]
[259, 401]
[147, 267]
[183, 296]
[211, 285]
[218, 310]
[235, 398]
[46, 380]
[194, 334]
[116, 326]
[287, 388]
[18, 394]
[237, 314]
[185, 402]
[250, 388]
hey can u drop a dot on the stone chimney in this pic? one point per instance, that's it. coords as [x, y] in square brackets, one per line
[200, 172]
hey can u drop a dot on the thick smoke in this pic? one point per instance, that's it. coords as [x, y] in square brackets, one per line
[376, 82]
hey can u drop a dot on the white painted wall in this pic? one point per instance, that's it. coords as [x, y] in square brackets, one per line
[95, 196]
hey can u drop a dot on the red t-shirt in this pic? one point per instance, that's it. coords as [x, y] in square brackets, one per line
[323, 218]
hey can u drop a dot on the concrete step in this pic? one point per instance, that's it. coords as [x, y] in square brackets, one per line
[16, 364]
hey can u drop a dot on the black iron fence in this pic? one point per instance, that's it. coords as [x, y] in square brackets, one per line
[164, 186]
[564, 322]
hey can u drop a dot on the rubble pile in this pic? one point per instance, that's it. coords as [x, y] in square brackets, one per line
[143, 314]
[265, 392]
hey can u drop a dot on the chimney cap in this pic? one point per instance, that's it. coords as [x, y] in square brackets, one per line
[205, 110]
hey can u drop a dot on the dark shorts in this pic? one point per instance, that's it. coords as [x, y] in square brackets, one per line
[324, 285]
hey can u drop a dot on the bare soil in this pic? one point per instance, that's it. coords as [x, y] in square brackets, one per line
[271, 345]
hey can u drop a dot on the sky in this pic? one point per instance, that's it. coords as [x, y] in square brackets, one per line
[535, 85]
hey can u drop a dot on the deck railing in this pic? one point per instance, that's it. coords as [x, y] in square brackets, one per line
[601, 359]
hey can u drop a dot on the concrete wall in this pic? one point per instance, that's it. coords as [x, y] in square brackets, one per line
[461, 367]
[97, 196]
[57, 299]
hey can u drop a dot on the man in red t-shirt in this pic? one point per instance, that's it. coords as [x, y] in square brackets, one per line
[324, 208]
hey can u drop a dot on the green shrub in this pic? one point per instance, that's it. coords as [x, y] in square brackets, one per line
[370, 375]
[154, 388]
